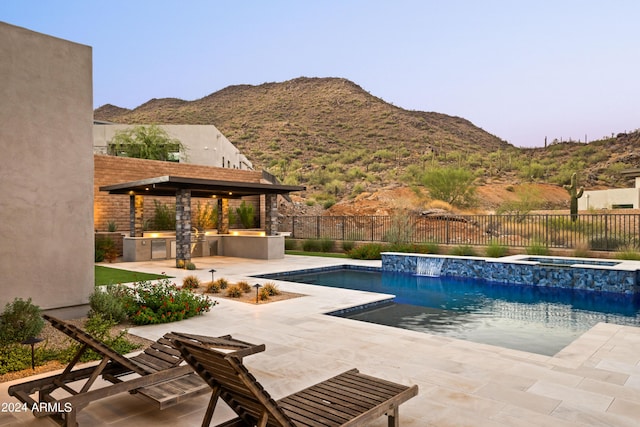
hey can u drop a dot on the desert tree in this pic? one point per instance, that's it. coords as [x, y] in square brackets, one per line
[146, 142]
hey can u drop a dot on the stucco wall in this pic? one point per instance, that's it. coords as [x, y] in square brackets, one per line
[205, 144]
[607, 199]
[46, 177]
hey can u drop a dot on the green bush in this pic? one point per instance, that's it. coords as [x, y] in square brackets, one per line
[463, 250]
[14, 357]
[20, 320]
[108, 302]
[326, 245]
[537, 248]
[100, 328]
[496, 250]
[368, 251]
[311, 245]
[290, 244]
[190, 266]
[163, 302]
[348, 245]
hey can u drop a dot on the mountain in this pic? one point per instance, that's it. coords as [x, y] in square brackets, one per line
[339, 140]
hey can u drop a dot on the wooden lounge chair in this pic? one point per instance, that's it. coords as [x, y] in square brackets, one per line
[349, 399]
[158, 375]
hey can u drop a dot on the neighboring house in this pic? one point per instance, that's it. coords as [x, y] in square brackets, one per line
[204, 144]
[46, 177]
[618, 198]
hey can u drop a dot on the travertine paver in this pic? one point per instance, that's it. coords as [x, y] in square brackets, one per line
[594, 381]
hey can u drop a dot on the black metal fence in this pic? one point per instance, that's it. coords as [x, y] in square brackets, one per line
[606, 232]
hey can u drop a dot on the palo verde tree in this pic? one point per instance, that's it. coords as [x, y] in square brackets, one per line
[451, 185]
[146, 142]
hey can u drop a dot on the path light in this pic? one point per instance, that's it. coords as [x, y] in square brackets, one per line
[212, 271]
[32, 341]
[257, 286]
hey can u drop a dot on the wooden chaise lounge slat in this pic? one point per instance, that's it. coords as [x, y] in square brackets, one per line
[158, 374]
[347, 400]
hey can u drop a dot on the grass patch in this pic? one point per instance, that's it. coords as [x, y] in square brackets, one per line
[108, 276]
[320, 254]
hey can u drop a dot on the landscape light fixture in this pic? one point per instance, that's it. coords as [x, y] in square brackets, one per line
[257, 286]
[212, 271]
[32, 341]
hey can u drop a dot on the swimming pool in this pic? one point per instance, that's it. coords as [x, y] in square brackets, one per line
[534, 319]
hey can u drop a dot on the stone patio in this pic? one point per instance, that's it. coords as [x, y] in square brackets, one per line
[595, 381]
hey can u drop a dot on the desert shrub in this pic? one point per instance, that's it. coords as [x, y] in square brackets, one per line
[263, 295]
[245, 214]
[163, 302]
[496, 250]
[537, 248]
[401, 229]
[105, 248]
[368, 251]
[312, 245]
[348, 245]
[431, 248]
[463, 250]
[20, 320]
[326, 245]
[213, 287]
[271, 288]
[234, 291]
[605, 243]
[164, 216]
[108, 302]
[100, 328]
[14, 357]
[244, 286]
[290, 244]
[190, 282]
[222, 283]
[205, 216]
[189, 265]
[581, 250]
[628, 253]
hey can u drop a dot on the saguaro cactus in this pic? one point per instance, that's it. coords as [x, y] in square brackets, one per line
[575, 194]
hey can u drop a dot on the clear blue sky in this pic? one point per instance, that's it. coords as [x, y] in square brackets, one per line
[519, 69]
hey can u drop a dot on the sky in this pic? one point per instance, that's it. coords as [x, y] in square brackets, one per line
[523, 70]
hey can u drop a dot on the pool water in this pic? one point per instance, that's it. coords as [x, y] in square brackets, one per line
[534, 319]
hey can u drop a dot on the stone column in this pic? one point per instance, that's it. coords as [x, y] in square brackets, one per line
[136, 212]
[271, 215]
[183, 227]
[223, 216]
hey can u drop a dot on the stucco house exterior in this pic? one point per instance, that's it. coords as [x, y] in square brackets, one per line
[46, 177]
[205, 144]
[617, 198]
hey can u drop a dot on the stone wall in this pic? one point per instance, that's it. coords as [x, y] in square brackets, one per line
[593, 276]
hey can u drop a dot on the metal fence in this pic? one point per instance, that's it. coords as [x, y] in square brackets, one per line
[606, 232]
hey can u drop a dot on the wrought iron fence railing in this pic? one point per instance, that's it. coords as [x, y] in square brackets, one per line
[608, 232]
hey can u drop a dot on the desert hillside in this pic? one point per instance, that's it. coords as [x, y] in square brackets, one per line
[346, 145]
